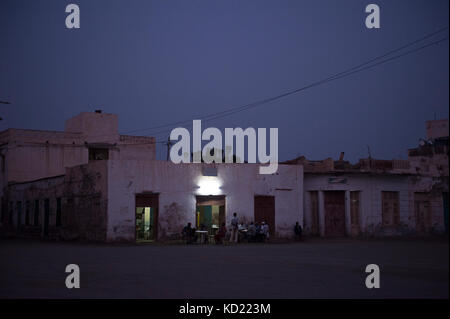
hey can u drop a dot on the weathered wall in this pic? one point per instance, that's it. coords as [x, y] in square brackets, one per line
[30, 155]
[86, 205]
[434, 188]
[430, 167]
[370, 188]
[95, 126]
[25, 195]
[83, 193]
[437, 128]
[178, 185]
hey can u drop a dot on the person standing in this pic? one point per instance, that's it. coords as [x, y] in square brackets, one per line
[234, 229]
[298, 231]
[265, 231]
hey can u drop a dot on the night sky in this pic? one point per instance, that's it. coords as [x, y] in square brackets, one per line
[157, 62]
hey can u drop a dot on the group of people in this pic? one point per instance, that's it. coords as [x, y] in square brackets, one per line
[190, 235]
[254, 232]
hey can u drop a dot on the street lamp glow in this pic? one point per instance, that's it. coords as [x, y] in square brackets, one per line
[209, 185]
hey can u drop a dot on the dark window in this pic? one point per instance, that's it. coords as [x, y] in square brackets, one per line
[19, 213]
[36, 212]
[46, 216]
[3, 164]
[27, 213]
[58, 211]
[11, 211]
[98, 154]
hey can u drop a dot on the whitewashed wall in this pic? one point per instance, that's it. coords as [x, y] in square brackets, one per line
[370, 188]
[177, 185]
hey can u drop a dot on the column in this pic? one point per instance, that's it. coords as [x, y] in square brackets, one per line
[321, 214]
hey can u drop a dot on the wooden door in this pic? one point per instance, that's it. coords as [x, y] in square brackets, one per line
[390, 214]
[265, 211]
[334, 204]
[422, 212]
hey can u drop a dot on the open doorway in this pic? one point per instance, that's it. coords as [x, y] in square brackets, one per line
[146, 217]
[210, 213]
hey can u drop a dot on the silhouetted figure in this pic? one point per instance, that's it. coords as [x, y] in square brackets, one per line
[298, 231]
[189, 234]
[234, 229]
[265, 231]
[220, 234]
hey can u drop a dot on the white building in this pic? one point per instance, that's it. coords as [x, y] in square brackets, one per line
[126, 195]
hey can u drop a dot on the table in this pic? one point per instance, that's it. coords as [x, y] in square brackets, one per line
[202, 234]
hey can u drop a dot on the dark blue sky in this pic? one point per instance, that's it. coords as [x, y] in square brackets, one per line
[155, 62]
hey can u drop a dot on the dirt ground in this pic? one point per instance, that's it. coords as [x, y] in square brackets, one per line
[414, 268]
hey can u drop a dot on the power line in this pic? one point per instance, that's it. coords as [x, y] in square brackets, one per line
[267, 100]
[330, 79]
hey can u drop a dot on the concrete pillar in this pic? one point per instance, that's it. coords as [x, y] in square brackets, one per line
[321, 214]
[348, 225]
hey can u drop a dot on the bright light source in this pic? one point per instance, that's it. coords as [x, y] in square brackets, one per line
[209, 185]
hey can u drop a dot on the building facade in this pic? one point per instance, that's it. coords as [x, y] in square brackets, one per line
[117, 191]
[380, 197]
[89, 182]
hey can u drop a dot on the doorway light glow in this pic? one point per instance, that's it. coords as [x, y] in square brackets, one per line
[209, 185]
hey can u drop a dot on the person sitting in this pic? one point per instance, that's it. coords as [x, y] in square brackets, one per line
[189, 233]
[259, 233]
[251, 232]
[218, 238]
[298, 231]
[265, 231]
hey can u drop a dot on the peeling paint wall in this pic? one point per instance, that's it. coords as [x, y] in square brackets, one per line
[22, 193]
[34, 154]
[83, 194]
[86, 205]
[370, 208]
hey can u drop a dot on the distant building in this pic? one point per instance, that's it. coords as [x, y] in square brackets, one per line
[380, 197]
[368, 198]
[430, 183]
[28, 155]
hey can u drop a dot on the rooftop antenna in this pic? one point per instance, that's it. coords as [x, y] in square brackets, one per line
[370, 156]
[169, 144]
